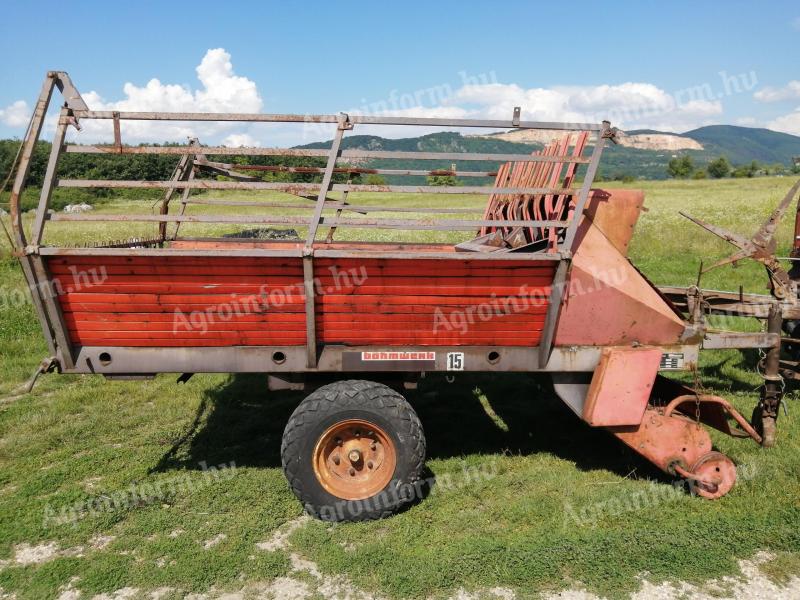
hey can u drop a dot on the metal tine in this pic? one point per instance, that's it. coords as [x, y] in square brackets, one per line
[572, 167]
[555, 175]
[541, 175]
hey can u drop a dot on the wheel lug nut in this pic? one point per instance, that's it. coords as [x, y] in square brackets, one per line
[354, 456]
[338, 441]
[358, 434]
[336, 459]
[370, 465]
[373, 446]
[352, 472]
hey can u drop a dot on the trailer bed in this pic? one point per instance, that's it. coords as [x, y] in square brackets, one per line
[174, 301]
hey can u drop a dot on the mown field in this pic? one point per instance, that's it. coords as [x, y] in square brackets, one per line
[529, 500]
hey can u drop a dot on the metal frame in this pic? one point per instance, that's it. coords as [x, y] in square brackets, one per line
[261, 359]
[31, 251]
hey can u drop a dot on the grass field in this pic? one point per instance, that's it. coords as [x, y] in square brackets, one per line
[528, 501]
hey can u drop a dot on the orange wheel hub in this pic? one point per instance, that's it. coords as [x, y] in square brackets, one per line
[716, 469]
[354, 459]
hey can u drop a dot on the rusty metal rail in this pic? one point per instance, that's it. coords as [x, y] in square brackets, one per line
[193, 159]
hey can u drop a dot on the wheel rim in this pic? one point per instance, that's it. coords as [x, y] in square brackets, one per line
[354, 459]
[717, 468]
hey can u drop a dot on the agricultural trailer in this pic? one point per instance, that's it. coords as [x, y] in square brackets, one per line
[355, 304]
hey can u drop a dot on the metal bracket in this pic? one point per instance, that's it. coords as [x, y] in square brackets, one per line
[72, 97]
[610, 133]
[344, 121]
[73, 120]
[516, 117]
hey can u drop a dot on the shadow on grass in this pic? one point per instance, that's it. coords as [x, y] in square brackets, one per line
[727, 372]
[515, 414]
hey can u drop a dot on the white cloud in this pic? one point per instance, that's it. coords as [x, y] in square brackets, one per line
[629, 105]
[241, 140]
[791, 91]
[787, 123]
[16, 114]
[222, 91]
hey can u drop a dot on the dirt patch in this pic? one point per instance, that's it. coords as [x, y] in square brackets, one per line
[100, 542]
[280, 539]
[26, 554]
[750, 584]
[214, 541]
[492, 593]
[127, 593]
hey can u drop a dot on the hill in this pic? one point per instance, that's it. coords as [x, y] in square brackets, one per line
[642, 154]
[445, 141]
[745, 144]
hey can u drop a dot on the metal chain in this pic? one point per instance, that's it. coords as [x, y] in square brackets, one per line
[698, 390]
[698, 385]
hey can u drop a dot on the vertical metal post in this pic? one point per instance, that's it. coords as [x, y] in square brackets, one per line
[772, 392]
[583, 194]
[117, 133]
[332, 230]
[308, 250]
[47, 292]
[48, 183]
[311, 317]
[344, 123]
[553, 310]
[184, 202]
[181, 173]
[28, 147]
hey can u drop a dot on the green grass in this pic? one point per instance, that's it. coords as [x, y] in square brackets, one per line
[527, 497]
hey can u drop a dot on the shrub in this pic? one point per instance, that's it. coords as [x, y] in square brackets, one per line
[719, 168]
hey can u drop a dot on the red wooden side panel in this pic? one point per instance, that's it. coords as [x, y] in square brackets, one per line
[254, 301]
[181, 301]
[427, 302]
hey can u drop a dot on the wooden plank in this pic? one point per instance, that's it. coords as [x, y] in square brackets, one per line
[156, 317]
[212, 309]
[399, 268]
[452, 340]
[201, 280]
[164, 321]
[269, 262]
[96, 271]
[266, 293]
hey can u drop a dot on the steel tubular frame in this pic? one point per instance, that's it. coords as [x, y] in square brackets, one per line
[31, 251]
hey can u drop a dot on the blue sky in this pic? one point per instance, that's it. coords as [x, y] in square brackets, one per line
[672, 66]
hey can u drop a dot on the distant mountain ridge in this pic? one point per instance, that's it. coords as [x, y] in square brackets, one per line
[745, 144]
[644, 154]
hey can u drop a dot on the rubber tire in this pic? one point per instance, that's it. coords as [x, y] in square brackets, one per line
[353, 399]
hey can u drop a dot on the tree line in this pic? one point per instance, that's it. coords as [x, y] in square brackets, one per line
[151, 166]
[683, 167]
[145, 167]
